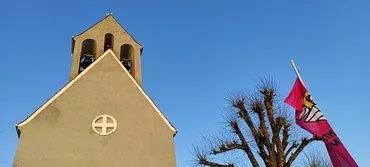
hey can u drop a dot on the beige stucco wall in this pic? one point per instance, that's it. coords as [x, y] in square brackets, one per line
[61, 134]
[97, 33]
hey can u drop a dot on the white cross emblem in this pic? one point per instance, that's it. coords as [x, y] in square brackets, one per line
[104, 125]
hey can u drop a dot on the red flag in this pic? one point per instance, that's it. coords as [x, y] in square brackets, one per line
[309, 117]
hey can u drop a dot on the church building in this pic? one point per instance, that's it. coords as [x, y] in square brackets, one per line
[102, 117]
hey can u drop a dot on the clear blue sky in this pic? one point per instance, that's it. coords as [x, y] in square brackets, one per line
[196, 52]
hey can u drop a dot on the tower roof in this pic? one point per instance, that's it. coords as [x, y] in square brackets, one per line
[106, 17]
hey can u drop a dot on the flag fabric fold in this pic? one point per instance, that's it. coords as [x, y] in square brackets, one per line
[309, 117]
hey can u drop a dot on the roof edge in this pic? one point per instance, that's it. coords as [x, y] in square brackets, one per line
[61, 91]
[147, 98]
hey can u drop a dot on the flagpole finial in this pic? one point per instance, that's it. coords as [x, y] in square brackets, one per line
[297, 72]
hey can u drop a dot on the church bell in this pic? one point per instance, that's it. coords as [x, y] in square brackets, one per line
[86, 60]
[127, 63]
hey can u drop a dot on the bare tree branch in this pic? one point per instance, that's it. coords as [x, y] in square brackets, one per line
[286, 135]
[303, 144]
[258, 137]
[257, 107]
[203, 161]
[316, 159]
[280, 121]
[268, 92]
[244, 142]
[227, 146]
[293, 146]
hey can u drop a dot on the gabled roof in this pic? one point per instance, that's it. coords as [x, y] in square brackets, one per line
[106, 16]
[71, 83]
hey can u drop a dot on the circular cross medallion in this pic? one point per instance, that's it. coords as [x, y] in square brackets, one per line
[104, 125]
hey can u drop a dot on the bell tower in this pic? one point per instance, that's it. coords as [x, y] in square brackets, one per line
[107, 34]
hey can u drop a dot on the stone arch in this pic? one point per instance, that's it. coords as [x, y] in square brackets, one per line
[88, 53]
[108, 41]
[126, 56]
[88, 47]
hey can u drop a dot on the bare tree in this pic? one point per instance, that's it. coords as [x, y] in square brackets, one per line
[315, 159]
[260, 130]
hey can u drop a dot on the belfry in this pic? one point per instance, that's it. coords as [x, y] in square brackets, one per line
[102, 116]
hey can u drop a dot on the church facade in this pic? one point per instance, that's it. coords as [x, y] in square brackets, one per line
[102, 117]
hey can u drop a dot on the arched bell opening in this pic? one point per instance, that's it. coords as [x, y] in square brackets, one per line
[108, 41]
[126, 56]
[87, 54]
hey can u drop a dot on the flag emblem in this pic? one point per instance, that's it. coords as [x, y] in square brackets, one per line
[310, 112]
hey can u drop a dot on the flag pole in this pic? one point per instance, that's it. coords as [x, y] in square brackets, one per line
[297, 72]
